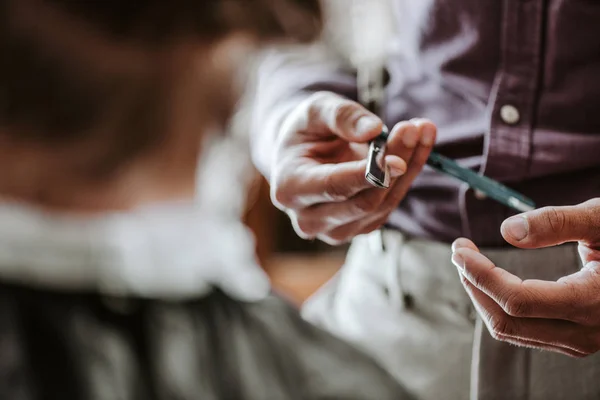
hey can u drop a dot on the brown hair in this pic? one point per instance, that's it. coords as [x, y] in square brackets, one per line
[72, 68]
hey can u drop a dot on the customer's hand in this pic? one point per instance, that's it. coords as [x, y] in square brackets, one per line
[562, 316]
[319, 166]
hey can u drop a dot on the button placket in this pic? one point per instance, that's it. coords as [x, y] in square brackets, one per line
[511, 109]
[512, 104]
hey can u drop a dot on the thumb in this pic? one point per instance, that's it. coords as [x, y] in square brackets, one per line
[551, 226]
[329, 113]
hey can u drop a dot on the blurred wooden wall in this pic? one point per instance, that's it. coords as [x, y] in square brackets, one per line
[297, 267]
[263, 219]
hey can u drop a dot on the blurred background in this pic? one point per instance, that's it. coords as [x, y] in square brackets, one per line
[297, 267]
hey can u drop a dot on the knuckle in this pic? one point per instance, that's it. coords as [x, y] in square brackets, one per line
[343, 113]
[297, 228]
[303, 116]
[593, 269]
[556, 219]
[365, 204]
[305, 227]
[332, 239]
[500, 327]
[517, 305]
[478, 279]
[302, 234]
[330, 108]
[593, 206]
[281, 197]
[337, 189]
[314, 104]
[496, 336]
[578, 304]
[337, 239]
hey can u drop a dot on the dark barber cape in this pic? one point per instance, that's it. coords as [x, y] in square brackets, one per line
[128, 307]
[84, 346]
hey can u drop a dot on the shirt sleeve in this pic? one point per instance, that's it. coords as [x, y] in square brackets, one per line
[285, 78]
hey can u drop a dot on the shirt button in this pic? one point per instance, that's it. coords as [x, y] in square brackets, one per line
[509, 114]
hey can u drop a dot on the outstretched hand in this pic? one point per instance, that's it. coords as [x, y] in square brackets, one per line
[561, 316]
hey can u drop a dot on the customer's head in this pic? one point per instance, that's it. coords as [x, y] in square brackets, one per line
[103, 102]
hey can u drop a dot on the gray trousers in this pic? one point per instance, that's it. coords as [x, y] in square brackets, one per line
[401, 300]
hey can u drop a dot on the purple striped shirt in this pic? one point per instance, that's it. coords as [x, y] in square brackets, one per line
[514, 87]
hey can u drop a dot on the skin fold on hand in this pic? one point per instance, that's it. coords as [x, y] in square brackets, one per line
[561, 316]
[320, 161]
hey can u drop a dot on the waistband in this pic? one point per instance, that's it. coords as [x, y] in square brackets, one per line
[549, 263]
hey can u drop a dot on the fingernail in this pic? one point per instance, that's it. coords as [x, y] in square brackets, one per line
[455, 245]
[396, 167]
[458, 261]
[410, 137]
[366, 125]
[517, 227]
[395, 172]
[428, 136]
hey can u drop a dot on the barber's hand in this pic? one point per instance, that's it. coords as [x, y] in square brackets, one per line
[318, 175]
[561, 316]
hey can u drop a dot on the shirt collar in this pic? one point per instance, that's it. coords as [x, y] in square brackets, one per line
[171, 251]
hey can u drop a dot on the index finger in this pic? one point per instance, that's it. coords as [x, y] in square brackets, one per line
[325, 114]
[563, 299]
[551, 226]
[314, 183]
